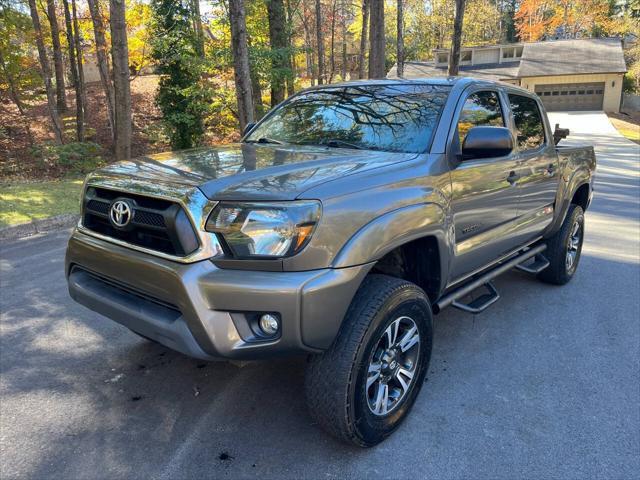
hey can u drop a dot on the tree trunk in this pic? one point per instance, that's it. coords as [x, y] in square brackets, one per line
[58, 64]
[363, 39]
[291, 58]
[122, 92]
[240, 53]
[197, 27]
[343, 66]
[256, 91]
[71, 48]
[454, 57]
[400, 40]
[320, 41]
[279, 49]
[256, 88]
[332, 55]
[308, 43]
[81, 86]
[103, 61]
[376, 40]
[46, 72]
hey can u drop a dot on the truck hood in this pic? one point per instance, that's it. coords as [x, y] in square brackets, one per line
[252, 172]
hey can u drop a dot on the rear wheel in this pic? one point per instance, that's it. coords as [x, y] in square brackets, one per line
[362, 388]
[564, 249]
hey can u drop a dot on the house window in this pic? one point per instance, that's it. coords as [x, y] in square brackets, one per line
[443, 58]
[465, 56]
[519, 51]
[507, 53]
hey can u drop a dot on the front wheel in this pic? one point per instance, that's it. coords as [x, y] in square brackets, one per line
[362, 388]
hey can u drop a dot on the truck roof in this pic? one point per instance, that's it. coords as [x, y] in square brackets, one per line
[445, 81]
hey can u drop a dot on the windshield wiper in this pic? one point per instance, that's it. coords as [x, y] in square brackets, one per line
[266, 140]
[336, 143]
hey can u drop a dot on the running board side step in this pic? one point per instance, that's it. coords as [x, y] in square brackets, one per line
[483, 302]
[539, 263]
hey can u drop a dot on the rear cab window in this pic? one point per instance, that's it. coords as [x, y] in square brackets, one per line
[480, 109]
[528, 122]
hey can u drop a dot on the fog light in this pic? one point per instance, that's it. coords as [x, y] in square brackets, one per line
[269, 324]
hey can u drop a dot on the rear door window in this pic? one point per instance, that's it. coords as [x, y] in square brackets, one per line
[528, 122]
[480, 109]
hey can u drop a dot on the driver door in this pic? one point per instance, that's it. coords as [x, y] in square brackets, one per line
[484, 191]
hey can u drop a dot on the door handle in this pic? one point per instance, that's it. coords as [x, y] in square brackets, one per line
[550, 170]
[513, 177]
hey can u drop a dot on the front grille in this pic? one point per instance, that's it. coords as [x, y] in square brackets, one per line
[156, 224]
[149, 218]
[99, 207]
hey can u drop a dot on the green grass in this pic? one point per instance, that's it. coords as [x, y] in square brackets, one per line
[25, 202]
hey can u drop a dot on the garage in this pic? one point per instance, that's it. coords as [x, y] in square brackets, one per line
[571, 96]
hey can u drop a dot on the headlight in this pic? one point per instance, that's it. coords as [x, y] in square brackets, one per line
[264, 229]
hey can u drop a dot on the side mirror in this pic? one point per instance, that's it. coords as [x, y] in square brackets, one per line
[559, 134]
[487, 142]
[248, 128]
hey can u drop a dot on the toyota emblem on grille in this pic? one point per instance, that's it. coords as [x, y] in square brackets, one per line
[120, 213]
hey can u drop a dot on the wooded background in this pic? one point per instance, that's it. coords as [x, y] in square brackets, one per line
[183, 73]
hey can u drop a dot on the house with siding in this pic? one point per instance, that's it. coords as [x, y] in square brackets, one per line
[576, 74]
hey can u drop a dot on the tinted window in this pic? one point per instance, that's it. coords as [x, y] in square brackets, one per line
[481, 108]
[529, 126]
[397, 118]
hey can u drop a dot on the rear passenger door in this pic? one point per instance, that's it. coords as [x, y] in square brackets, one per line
[484, 196]
[537, 165]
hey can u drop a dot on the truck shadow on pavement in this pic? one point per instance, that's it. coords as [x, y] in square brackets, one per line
[106, 401]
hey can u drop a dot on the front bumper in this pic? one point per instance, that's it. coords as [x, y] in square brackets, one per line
[201, 310]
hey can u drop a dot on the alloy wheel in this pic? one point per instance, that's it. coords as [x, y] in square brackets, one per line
[393, 366]
[573, 246]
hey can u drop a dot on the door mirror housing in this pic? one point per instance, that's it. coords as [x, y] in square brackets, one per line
[487, 142]
[248, 128]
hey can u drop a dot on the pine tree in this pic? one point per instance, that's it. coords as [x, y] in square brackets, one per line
[176, 51]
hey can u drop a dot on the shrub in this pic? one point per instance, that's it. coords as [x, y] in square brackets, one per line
[76, 158]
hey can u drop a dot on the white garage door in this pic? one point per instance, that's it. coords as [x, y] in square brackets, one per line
[571, 96]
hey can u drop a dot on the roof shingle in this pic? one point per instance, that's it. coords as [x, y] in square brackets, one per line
[569, 57]
[485, 72]
[555, 57]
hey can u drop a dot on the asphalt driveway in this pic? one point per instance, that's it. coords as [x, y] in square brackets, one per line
[545, 384]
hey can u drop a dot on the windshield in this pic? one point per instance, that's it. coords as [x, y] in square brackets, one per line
[396, 118]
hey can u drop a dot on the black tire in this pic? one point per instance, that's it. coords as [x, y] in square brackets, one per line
[559, 272]
[336, 380]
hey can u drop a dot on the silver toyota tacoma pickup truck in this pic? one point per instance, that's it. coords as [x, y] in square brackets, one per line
[339, 225]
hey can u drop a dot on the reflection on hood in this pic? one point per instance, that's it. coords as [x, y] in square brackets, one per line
[253, 171]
